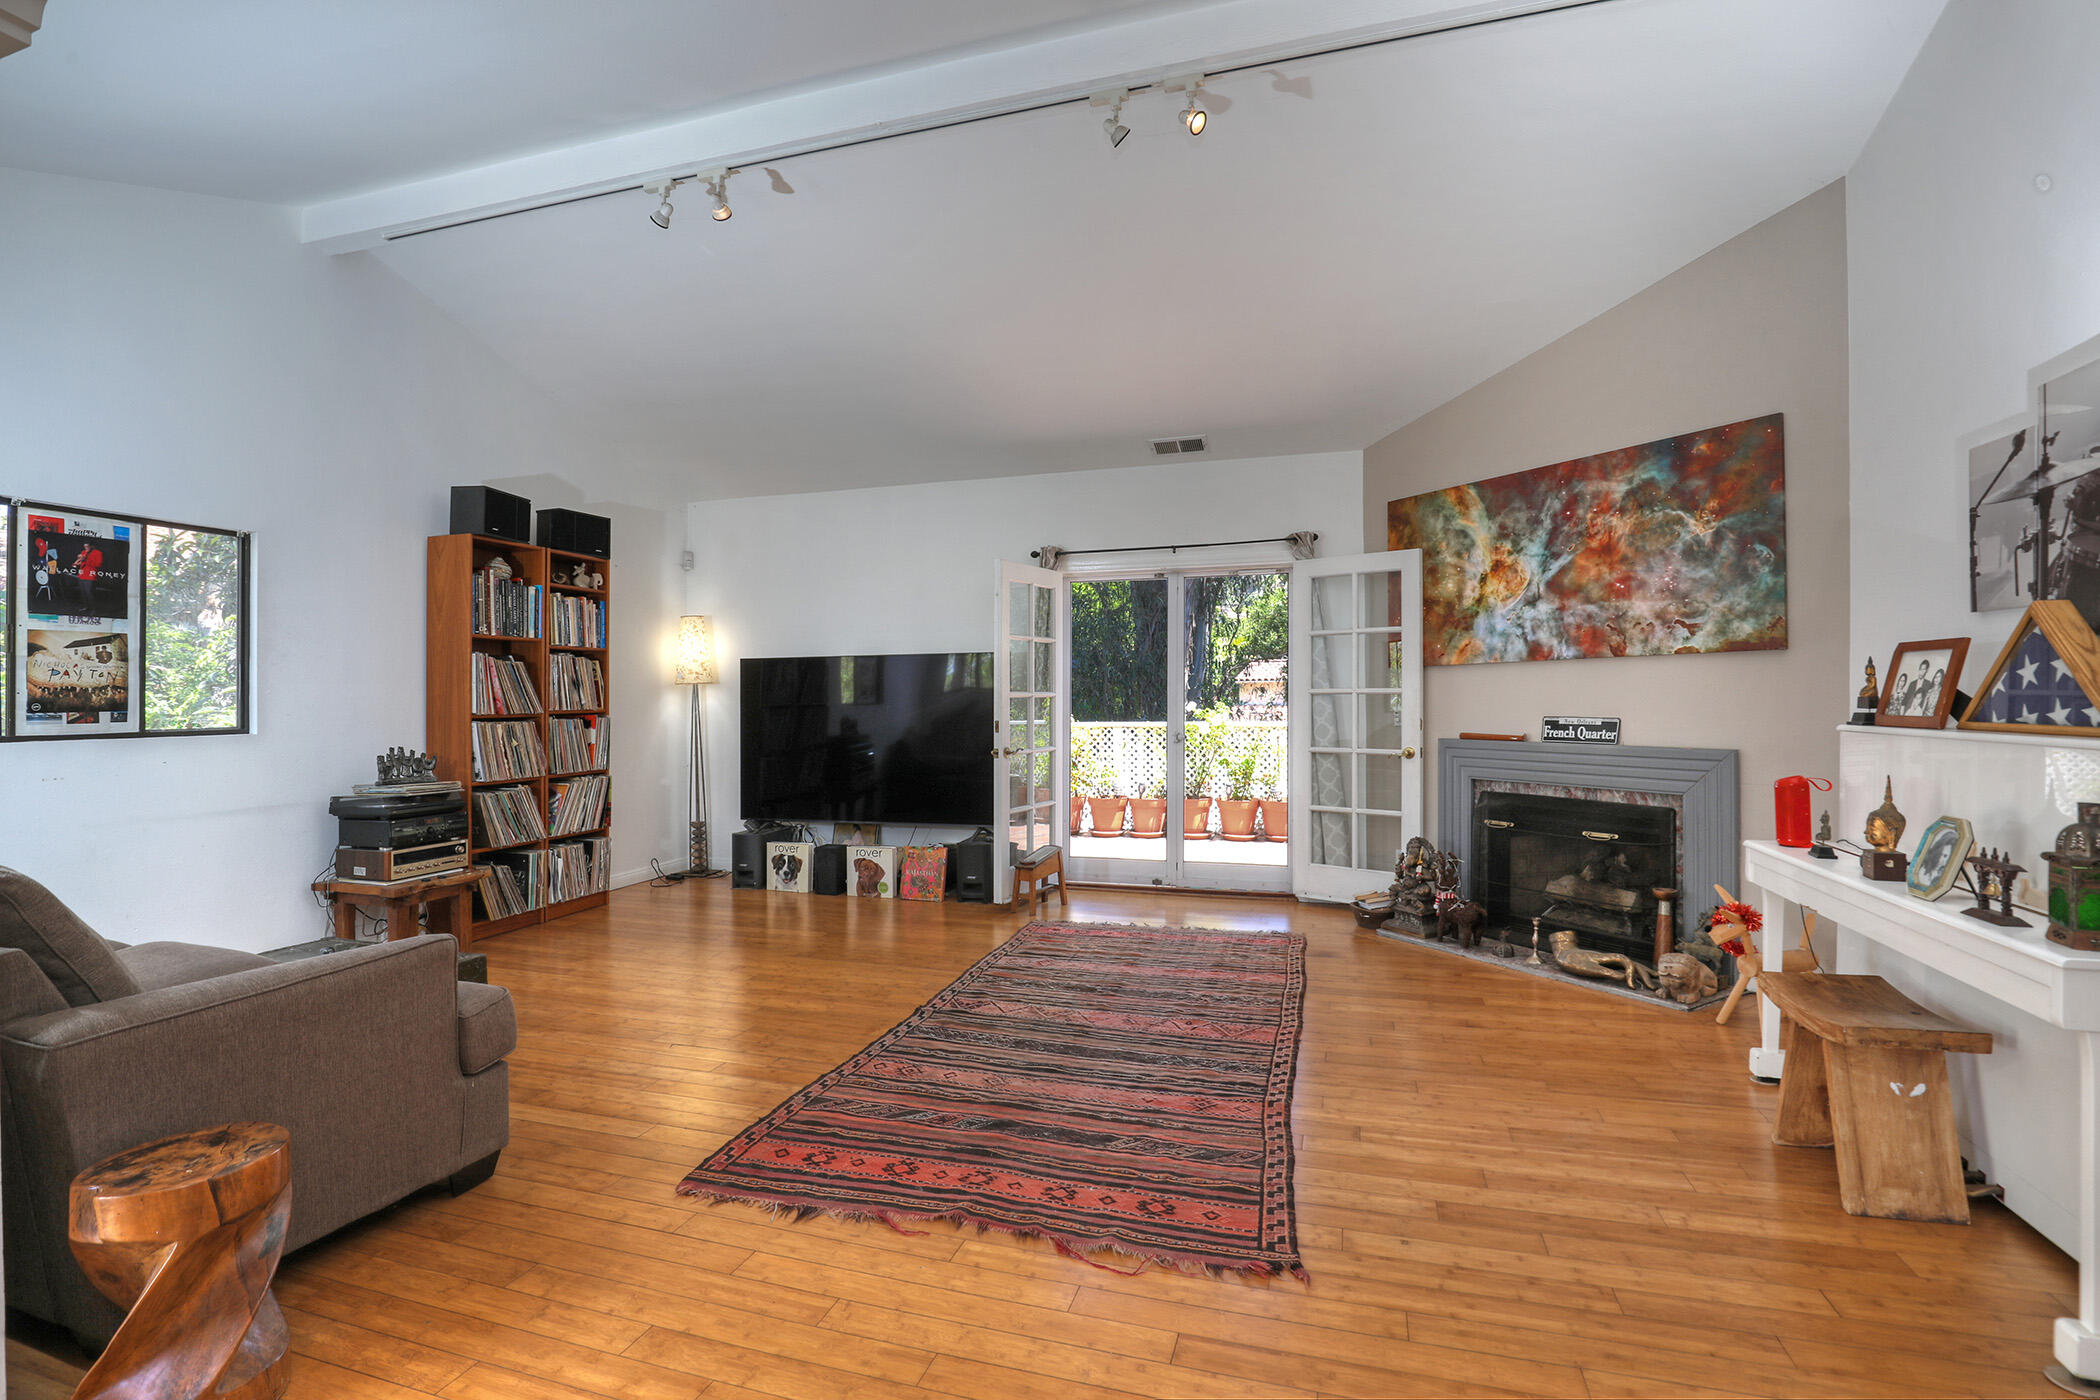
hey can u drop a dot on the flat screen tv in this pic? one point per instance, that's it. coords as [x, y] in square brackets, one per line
[894, 739]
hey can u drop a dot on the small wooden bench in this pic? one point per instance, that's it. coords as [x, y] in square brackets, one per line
[1866, 1073]
[1032, 870]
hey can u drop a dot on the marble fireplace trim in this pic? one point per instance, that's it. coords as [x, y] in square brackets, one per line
[1702, 782]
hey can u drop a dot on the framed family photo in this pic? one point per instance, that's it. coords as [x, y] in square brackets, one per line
[1922, 680]
[1938, 861]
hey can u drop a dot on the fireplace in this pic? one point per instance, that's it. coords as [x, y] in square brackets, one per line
[1593, 830]
[1574, 862]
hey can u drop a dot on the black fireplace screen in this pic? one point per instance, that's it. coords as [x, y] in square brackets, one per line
[1574, 863]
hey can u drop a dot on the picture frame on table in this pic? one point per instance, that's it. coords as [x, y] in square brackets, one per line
[1921, 683]
[1937, 863]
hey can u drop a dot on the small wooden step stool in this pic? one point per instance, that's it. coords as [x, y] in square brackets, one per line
[1033, 869]
[1866, 1073]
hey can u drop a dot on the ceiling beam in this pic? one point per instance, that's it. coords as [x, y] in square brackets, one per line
[1066, 66]
[19, 22]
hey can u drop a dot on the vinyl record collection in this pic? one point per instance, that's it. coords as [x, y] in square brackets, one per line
[506, 607]
[502, 686]
[575, 682]
[512, 883]
[576, 622]
[578, 868]
[580, 743]
[506, 816]
[576, 805]
[508, 748]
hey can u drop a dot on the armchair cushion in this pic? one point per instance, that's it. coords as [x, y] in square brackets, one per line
[488, 1026]
[72, 955]
[157, 965]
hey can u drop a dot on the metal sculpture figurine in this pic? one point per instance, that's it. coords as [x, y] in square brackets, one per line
[399, 765]
[1575, 958]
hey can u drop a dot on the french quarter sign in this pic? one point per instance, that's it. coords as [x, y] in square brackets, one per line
[1579, 729]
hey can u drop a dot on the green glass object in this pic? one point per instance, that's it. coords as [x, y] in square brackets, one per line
[2074, 881]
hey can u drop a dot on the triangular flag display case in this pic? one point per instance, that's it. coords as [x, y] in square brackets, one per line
[2046, 680]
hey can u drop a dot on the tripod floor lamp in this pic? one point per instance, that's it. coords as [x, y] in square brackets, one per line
[696, 668]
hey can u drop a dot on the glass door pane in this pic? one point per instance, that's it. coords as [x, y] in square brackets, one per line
[1118, 728]
[1236, 761]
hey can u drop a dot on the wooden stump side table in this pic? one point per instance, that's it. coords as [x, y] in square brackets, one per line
[450, 897]
[185, 1233]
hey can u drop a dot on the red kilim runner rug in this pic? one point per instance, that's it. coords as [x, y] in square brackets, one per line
[1116, 1090]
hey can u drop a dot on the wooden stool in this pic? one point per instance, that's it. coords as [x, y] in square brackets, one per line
[450, 898]
[1866, 1072]
[185, 1234]
[1033, 869]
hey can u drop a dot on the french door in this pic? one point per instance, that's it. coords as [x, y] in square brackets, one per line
[1028, 667]
[1176, 729]
[1356, 719]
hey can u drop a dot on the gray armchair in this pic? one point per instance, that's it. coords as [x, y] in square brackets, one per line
[386, 1069]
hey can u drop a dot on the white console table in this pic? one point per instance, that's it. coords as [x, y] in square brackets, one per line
[2019, 967]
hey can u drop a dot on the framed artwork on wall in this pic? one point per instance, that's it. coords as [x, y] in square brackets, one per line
[1922, 679]
[1673, 546]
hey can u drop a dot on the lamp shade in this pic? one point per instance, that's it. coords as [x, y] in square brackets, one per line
[696, 652]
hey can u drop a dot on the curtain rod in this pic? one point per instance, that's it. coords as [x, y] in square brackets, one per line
[1174, 548]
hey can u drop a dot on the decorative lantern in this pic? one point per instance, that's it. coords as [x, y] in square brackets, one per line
[2074, 881]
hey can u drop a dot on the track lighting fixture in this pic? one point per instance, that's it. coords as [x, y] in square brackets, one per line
[716, 183]
[1193, 116]
[661, 215]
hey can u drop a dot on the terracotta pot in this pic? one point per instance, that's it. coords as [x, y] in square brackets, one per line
[1195, 818]
[1077, 807]
[1236, 816]
[1275, 819]
[1107, 813]
[1148, 816]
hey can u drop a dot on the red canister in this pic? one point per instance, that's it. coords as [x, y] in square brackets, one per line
[1790, 809]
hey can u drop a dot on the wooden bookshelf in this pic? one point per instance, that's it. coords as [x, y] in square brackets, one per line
[451, 643]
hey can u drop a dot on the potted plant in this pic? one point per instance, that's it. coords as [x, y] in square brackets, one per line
[1202, 767]
[1148, 812]
[1275, 806]
[1237, 808]
[1097, 780]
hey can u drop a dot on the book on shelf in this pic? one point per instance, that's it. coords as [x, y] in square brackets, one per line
[506, 749]
[503, 686]
[513, 882]
[578, 743]
[507, 816]
[578, 868]
[506, 607]
[576, 805]
[575, 682]
[576, 621]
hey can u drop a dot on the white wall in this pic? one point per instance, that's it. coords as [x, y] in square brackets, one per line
[184, 357]
[910, 568]
[1963, 276]
[1756, 326]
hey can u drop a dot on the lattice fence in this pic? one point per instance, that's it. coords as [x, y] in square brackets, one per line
[1132, 756]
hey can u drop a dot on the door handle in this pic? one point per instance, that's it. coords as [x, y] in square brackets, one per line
[1408, 752]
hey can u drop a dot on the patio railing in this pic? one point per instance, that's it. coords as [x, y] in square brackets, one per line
[1134, 754]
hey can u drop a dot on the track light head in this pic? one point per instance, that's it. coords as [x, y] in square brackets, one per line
[1117, 132]
[1112, 125]
[716, 183]
[1194, 117]
[661, 215]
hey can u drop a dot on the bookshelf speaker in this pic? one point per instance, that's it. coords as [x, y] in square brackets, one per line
[576, 532]
[827, 870]
[483, 510]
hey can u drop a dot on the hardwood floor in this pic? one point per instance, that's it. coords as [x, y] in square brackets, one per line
[1504, 1187]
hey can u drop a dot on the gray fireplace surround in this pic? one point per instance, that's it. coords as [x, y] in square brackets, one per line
[1703, 780]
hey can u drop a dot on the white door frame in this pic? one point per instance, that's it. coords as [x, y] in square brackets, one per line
[1175, 868]
[1334, 882]
[1038, 740]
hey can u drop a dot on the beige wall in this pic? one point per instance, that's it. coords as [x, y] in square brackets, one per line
[1756, 326]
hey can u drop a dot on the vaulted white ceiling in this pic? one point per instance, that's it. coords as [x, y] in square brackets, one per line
[1355, 239]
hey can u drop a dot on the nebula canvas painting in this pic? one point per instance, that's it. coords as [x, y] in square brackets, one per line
[1672, 546]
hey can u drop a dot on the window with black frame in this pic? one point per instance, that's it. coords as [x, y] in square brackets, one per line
[121, 626]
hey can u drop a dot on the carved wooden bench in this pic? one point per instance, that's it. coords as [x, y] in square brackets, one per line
[1866, 1073]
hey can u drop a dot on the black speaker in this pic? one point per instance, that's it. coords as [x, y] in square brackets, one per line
[827, 870]
[747, 856]
[972, 863]
[576, 532]
[483, 510]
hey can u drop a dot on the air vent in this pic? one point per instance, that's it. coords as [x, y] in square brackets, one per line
[1177, 447]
